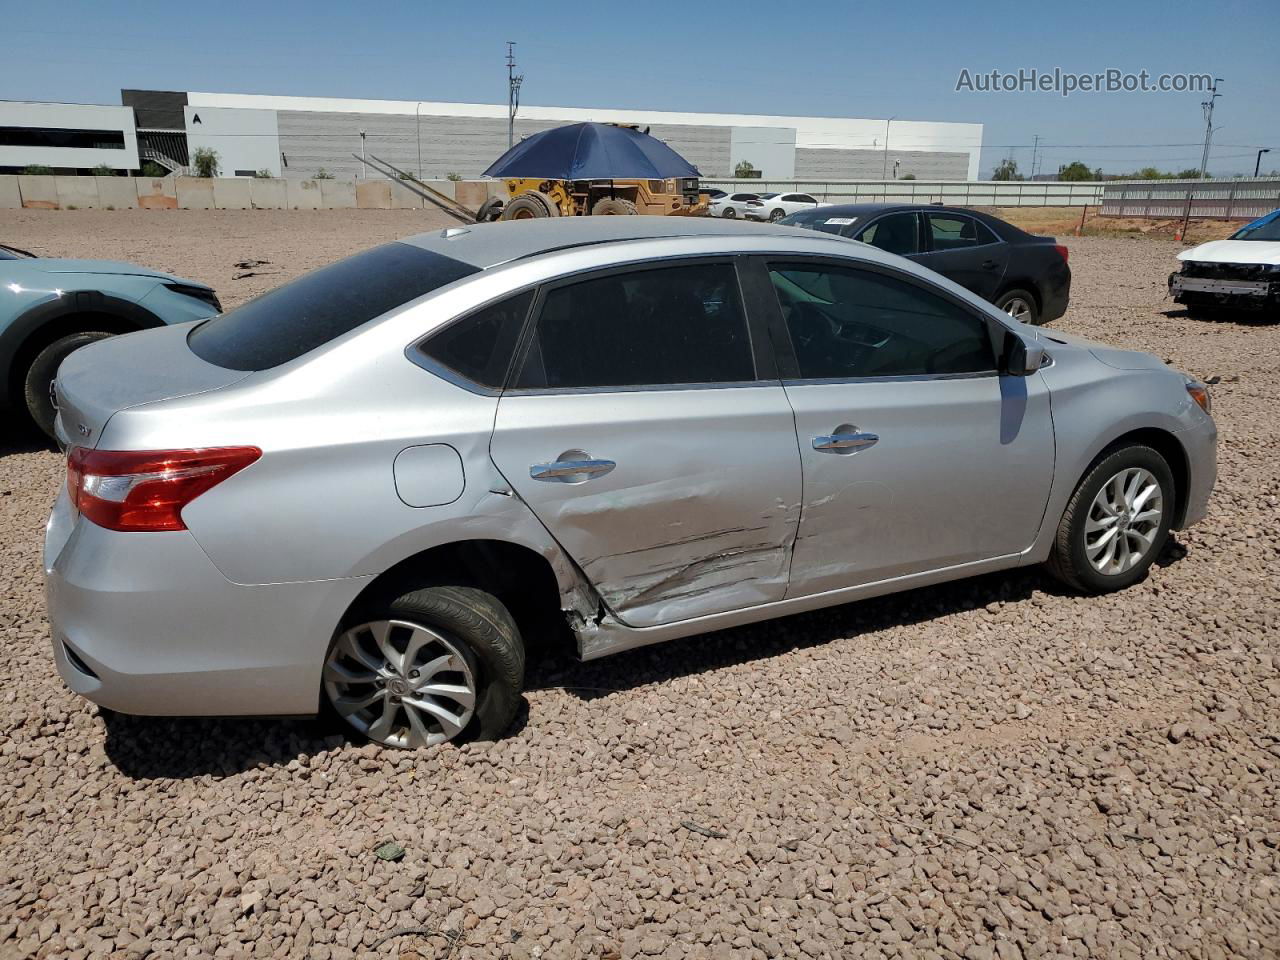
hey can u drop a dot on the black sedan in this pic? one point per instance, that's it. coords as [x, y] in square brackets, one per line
[1024, 275]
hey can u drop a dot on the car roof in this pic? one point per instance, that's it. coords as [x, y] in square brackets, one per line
[487, 245]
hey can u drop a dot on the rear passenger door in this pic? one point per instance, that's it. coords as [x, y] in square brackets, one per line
[964, 249]
[646, 428]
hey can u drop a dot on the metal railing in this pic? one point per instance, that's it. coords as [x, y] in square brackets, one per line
[1238, 199]
[961, 193]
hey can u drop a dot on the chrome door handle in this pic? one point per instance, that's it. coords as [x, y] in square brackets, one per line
[845, 442]
[571, 471]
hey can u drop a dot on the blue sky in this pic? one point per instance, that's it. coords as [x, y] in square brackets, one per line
[868, 59]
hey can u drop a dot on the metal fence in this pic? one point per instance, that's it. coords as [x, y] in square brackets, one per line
[964, 193]
[1240, 199]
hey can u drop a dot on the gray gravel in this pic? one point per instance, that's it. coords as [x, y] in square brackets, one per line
[989, 769]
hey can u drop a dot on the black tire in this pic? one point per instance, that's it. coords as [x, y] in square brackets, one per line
[486, 635]
[490, 210]
[43, 368]
[613, 207]
[533, 205]
[729, 213]
[1068, 560]
[1009, 297]
[776, 215]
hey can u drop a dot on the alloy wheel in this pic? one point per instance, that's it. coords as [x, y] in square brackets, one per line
[1019, 309]
[1123, 521]
[401, 683]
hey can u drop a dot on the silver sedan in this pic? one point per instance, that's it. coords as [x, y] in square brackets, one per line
[362, 490]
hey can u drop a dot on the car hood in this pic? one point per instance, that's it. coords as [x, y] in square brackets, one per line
[1234, 251]
[1111, 356]
[113, 267]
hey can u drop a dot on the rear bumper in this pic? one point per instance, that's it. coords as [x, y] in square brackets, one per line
[1056, 295]
[143, 623]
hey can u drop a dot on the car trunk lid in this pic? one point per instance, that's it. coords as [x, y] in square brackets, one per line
[103, 378]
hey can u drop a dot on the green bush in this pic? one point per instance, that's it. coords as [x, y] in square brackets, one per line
[37, 170]
[322, 174]
[455, 177]
[205, 162]
[263, 174]
[105, 170]
[153, 169]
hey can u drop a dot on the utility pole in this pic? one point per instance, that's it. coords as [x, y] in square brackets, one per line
[1257, 164]
[513, 93]
[884, 173]
[1207, 107]
[1035, 144]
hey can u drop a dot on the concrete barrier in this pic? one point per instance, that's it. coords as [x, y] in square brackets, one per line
[158, 193]
[10, 195]
[337, 194]
[268, 194]
[232, 194]
[303, 194]
[403, 198]
[195, 193]
[77, 192]
[118, 193]
[472, 193]
[39, 192]
[373, 195]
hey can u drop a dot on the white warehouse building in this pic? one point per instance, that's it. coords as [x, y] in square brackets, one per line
[297, 137]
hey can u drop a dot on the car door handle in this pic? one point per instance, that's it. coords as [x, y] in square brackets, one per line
[990, 264]
[571, 471]
[845, 442]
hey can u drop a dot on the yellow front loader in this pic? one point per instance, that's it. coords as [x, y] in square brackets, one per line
[529, 198]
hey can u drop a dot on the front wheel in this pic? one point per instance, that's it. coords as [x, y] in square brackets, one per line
[1020, 305]
[434, 665]
[1116, 523]
[38, 381]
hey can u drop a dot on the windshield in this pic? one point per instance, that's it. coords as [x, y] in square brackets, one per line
[320, 306]
[1268, 228]
[823, 221]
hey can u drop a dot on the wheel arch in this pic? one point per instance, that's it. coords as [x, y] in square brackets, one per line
[74, 312]
[1170, 448]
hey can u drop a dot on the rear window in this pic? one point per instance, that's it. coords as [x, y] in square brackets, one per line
[291, 320]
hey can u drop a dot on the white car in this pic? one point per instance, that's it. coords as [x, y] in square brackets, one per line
[731, 205]
[1242, 271]
[775, 206]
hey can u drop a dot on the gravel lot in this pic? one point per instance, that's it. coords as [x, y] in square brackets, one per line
[993, 768]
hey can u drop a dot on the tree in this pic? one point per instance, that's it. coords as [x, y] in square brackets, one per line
[263, 174]
[153, 169]
[205, 162]
[907, 176]
[37, 170]
[743, 170]
[1191, 173]
[455, 177]
[104, 170]
[1007, 170]
[1076, 171]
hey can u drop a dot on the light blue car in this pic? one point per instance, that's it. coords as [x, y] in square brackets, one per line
[50, 307]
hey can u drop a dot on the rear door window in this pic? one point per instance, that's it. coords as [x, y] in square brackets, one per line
[284, 323]
[955, 232]
[657, 327]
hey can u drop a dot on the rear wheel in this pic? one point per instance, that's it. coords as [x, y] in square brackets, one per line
[490, 210]
[434, 665]
[776, 215]
[613, 207]
[729, 213]
[1020, 305]
[38, 380]
[1116, 522]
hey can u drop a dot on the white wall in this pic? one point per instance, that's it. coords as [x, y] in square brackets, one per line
[839, 133]
[81, 116]
[243, 139]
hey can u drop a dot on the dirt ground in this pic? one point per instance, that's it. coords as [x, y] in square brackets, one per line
[994, 768]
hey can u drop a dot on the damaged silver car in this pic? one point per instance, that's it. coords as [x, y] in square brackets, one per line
[360, 488]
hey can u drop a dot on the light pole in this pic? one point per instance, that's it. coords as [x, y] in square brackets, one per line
[417, 122]
[884, 172]
[1257, 164]
[362, 160]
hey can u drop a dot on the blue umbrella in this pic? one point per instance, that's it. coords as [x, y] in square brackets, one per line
[592, 151]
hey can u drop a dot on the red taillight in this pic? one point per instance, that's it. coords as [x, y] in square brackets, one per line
[147, 489]
[1063, 251]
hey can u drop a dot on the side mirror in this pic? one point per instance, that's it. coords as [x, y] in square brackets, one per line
[1021, 359]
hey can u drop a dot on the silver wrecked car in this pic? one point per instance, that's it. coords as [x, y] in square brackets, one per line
[359, 488]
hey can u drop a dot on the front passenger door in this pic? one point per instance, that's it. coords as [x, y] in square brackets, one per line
[916, 454]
